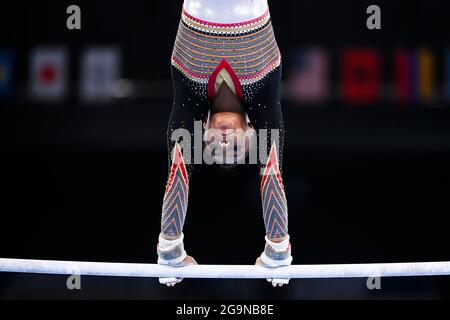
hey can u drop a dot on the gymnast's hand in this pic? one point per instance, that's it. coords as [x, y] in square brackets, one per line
[275, 282]
[171, 253]
[171, 282]
[277, 253]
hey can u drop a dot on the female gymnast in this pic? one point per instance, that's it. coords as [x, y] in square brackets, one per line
[226, 71]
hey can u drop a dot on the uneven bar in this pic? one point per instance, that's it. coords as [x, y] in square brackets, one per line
[225, 271]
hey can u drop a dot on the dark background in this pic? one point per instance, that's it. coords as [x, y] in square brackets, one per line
[85, 182]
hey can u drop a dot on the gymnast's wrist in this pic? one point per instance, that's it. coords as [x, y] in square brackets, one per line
[277, 254]
[171, 252]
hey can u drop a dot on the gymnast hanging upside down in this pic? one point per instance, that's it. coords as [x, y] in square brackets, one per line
[226, 70]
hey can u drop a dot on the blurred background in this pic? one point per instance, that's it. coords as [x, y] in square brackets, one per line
[83, 116]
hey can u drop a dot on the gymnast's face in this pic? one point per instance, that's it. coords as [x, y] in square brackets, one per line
[227, 135]
[227, 121]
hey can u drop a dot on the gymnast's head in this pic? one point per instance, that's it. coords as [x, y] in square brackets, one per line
[228, 132]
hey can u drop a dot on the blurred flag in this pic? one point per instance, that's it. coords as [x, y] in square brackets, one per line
[414, 75]
[6, 72]
[100, 70]
[361, 76]
[309, 76]
[404, 77]
[427, 75]
[49, 73]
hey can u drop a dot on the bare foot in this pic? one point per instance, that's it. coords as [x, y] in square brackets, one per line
[275, 282]
[171, 282]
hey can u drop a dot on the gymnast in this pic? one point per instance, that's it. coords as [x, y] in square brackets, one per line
[226, 71]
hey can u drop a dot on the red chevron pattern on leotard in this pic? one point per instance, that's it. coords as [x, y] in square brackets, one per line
[176, 196]
[273, 196]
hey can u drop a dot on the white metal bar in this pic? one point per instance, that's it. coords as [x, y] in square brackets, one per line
[225, 271]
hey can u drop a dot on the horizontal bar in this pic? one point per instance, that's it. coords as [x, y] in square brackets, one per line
[225, 271]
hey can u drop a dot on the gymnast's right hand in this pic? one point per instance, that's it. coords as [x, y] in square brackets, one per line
[171, 253]
[170, 282]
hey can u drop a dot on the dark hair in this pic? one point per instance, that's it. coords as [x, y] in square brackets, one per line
[228, 167]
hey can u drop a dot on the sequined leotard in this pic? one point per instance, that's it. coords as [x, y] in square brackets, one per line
[236, 36]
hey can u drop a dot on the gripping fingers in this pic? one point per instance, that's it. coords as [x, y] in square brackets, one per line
[278, 282]
[170, 282]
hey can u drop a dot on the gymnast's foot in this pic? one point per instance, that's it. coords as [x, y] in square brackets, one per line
[171, 253]
[276, 255]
